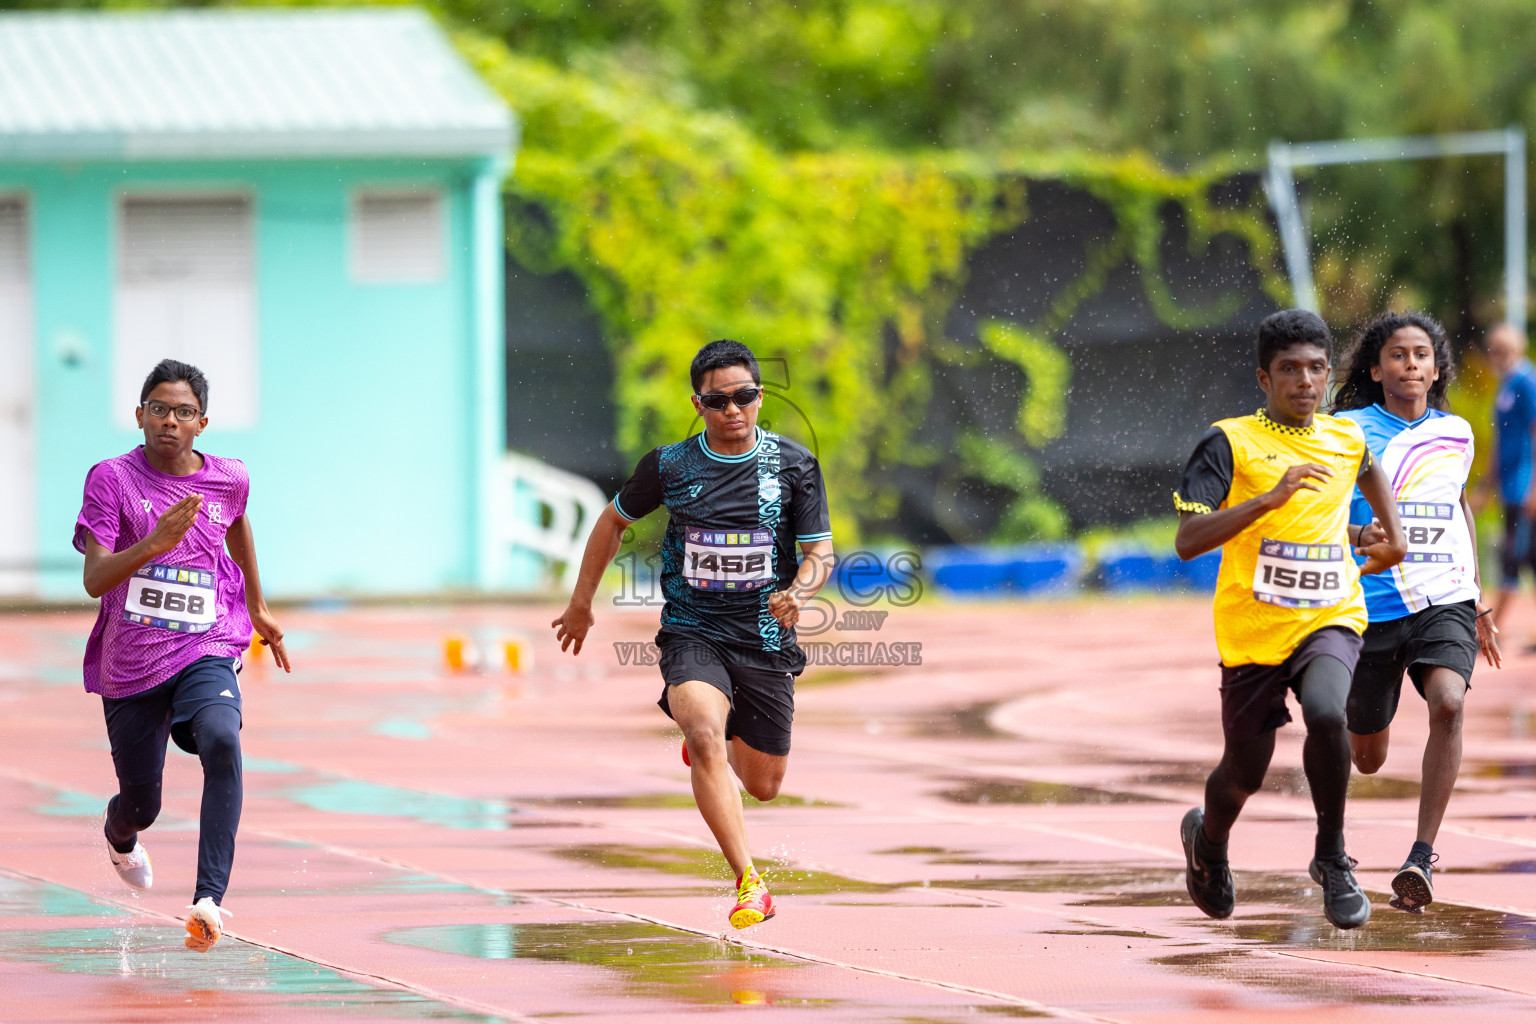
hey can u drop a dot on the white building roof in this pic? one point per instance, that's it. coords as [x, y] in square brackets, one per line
[219, 84]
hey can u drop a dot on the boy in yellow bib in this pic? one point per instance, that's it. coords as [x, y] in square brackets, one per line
[1273, 491]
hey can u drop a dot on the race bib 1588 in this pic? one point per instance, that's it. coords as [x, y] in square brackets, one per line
[1299, 575]
[1428, 526]
[727, 559]
[173, 597]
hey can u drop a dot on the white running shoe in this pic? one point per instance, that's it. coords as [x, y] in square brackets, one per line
[205, 924]
[132, 867]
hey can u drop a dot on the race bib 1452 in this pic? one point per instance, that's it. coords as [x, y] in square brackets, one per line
[173, 597]
[1299, 575]
[727, 559]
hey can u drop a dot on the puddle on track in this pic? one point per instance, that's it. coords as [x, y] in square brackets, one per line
[155, 955]
[968, 1013]
[708, 864]
[1508, 867]
[1285, 781]
[402, 727]
[352, 796]
[1285, 911]
[966, 722]
[1340, 984]
[404, 884]
[24, 898]
[69, 803]
[651, 961]
[649, 801]
[648, 959]
[1501, 770]
[997, 791]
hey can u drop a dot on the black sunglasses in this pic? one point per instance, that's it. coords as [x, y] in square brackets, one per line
[717, 402]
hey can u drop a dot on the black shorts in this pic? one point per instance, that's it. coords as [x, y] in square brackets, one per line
[1253, 696]
[170, 705]
[1518, 548]
[1443, 636]
[759, 684]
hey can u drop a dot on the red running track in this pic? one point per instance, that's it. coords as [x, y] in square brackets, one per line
[992, 833]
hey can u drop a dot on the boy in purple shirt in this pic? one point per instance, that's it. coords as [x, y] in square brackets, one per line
[176, 613]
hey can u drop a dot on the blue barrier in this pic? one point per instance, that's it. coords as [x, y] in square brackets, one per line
[1200, 573]
[1038, 569]
[860, 574]
[1030, 569]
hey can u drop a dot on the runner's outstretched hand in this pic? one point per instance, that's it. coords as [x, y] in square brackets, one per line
[785, 607]
[1298, 477]
[174, 523]
[271, 635]
[1488, 640]
[572, 625]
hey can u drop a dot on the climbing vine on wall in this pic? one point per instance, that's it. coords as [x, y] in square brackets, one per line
[685, 227]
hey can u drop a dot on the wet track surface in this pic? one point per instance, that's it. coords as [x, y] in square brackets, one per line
[991, 835]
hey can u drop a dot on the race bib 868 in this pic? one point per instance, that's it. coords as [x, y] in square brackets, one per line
[173, 597]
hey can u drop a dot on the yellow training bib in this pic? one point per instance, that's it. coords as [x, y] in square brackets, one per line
[1291, 572]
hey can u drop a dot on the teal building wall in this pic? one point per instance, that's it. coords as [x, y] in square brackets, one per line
[380, 405]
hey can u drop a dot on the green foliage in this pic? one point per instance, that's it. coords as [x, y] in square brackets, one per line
[1155, 535]
[685, 226]
[1189, 81]
[747, 168]
[993, 460]
[1048, 372]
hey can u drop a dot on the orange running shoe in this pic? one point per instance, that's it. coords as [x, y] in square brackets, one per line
[205, 924]
[753, 903]
[685, 755]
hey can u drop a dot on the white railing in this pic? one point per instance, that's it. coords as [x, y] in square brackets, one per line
[547, 512]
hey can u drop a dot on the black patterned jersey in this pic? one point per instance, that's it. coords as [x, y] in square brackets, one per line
[730, 541]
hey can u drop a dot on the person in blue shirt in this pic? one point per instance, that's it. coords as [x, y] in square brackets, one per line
[1425, 617]
[1514, 420]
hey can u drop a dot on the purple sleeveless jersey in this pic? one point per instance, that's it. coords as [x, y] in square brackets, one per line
[186, 604]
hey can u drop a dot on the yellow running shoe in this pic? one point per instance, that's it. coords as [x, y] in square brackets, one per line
[753, 903]
[205, 924]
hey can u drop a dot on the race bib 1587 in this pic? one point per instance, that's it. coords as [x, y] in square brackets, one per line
[1428, 526]
[173, 597]
[1299, 575]
[727, 559]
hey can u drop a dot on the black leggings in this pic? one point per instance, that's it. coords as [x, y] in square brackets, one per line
[1325, 756]
[138, 753]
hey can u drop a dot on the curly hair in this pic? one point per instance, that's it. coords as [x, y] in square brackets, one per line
[1279, 331]
[1356, 389]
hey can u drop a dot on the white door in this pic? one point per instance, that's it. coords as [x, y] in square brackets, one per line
[186, 290]
[18, 500]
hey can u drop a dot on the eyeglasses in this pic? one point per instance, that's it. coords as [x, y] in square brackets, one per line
[717, 402]
[185, 413]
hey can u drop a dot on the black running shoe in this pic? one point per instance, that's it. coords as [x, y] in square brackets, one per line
[1344, 902]
[1209, 881]
[1413, 886]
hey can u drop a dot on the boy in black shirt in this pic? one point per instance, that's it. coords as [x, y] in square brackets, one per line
[740, 498]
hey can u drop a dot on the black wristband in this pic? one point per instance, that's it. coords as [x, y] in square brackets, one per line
[1485, 611]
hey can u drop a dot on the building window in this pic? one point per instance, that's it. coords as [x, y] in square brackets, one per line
[13, 240]
[18, 533]
[397, 236]
[186, 290]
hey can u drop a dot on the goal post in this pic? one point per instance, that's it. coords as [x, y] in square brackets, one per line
[1280, 185]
